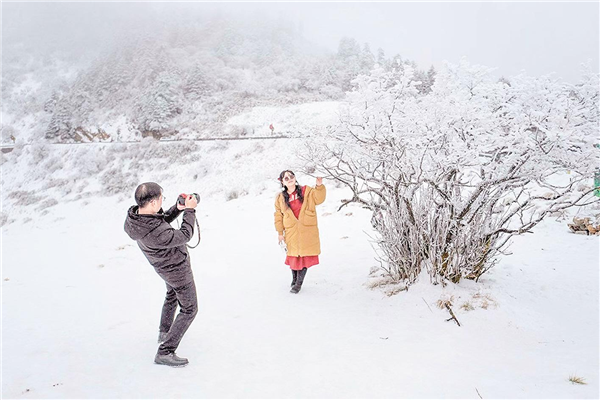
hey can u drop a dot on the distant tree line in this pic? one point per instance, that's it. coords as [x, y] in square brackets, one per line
[192, 77]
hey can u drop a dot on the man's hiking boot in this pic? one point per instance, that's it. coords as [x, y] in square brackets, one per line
[171, 360]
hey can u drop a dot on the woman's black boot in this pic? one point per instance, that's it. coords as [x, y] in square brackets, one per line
[299, 280]
[294, 277]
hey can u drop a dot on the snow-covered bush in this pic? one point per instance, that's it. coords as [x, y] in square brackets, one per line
[8, 134]
[38, 153]
[47, 204]
[24, 198]
[453, 173]
[232, 195]
[115, 182]
[3, 219]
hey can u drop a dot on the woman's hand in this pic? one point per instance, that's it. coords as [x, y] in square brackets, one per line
[319, 181]
[280, 239]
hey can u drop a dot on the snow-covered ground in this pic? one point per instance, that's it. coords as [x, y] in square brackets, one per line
[81, 305]
[81, 308]
[288, 120]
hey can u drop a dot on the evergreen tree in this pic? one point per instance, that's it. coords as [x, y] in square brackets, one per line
[367, 60]
[196, 83]
[381, 60]
[427, 80]
[348, 62]
[160, 104]
[50, 104]
[60, 127]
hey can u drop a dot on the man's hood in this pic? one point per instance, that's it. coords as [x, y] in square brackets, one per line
[138, 226]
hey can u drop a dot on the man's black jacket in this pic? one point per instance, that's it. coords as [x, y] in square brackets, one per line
[164, 246]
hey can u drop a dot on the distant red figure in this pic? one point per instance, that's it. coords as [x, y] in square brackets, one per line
[272, 128]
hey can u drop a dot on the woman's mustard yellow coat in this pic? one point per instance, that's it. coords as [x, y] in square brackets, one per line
[301, 234]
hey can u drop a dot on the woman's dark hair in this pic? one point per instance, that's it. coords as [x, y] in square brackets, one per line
[146, 192]
[286, 195]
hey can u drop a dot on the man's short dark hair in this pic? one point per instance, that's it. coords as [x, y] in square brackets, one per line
[146, 192]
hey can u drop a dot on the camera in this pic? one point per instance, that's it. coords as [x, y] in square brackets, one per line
[183, 196]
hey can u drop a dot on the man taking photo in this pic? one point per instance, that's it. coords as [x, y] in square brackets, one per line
[165, 249]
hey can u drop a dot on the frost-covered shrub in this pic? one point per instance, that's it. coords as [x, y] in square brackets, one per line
[81, 186]
[115, 181]
[332, 92]
[3, 219]
[47, 204]
[39, 153]
[454, 173]
[237, 131]
[68, 187]
[24, 198]
[53, 182]
[8, 134]
[91, 161]
[219, 147]
[52, 164]
[232, 195]
[149, 149]
[181, 152]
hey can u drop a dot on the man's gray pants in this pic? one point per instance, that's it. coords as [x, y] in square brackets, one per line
[186, 297]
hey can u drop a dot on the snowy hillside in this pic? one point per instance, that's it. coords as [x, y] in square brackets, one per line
[176, 72]
[80, 304]
[291, 120]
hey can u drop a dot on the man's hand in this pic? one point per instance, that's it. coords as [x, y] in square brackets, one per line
[191, 201]
[319, 181]
[180, 206]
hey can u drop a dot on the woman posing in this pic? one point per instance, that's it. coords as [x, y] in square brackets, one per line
[296, 224]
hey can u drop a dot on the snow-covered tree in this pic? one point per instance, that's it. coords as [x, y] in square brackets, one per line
[197, 83]
[60, 127]
[51, 102]
[348, 65]
[381, 60]
[427, 80]
[159, 104]
[367, 59]
[451, 176]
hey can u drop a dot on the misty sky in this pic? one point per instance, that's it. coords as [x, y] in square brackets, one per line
[537, 38]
